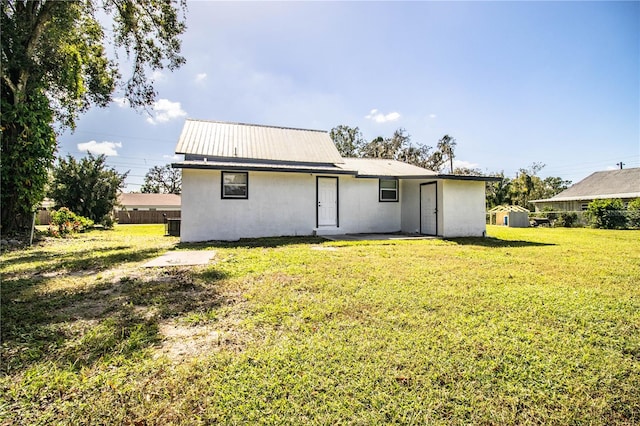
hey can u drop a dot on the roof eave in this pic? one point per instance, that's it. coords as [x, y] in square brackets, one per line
[381, 176]
[262, 168]
[471, 177]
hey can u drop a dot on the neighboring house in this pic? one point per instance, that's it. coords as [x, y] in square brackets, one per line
[246, 181]
[131, 208]
[148, 202]
[147, 208]
[623, 184]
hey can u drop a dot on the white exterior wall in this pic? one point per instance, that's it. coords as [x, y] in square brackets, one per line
[463, 209]
[278, 204]
[561, 205]
[282, 204]
[362, 212]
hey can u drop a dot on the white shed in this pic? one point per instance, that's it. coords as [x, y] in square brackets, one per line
[511, 216]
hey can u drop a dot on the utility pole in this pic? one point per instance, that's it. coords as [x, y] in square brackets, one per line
[620, 164]
[451, 158]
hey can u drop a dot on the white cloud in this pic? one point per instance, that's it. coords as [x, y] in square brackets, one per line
[173, 157]
[201, 77]
[432, 116]
[121, 102]
[106, 148]
[461, 164]
[165, 110]
[158, 76]
[379, 117]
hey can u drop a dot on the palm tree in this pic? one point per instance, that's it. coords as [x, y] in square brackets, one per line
[446, 146]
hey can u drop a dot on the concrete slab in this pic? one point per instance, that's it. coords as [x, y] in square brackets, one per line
[181, 258]
[376, 237]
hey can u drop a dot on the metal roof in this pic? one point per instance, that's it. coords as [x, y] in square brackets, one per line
[382, 167]
[622, 183]
[255, 142]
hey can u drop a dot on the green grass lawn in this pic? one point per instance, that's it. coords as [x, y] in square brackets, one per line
[529, 326]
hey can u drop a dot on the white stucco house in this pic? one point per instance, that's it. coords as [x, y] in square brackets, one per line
[247, 181]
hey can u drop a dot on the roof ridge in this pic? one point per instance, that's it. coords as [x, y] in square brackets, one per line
[256, 125]
[628, 169]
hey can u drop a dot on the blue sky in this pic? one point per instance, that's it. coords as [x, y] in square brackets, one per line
[514, 82]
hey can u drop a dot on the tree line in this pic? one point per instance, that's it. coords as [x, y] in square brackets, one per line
[526, 186]
[350, 143]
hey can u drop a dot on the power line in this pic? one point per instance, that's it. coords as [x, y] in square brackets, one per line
[128, 137]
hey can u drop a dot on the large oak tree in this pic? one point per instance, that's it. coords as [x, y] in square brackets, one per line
[162, 180]
[54, 67]
[87, 187]
[350, 143]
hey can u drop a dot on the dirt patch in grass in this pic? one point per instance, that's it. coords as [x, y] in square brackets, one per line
[174, 311]
[181, 341]
[214, 326]
[184, 341]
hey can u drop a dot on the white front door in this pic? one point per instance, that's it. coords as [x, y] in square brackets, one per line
[429, 209]
[327, 213]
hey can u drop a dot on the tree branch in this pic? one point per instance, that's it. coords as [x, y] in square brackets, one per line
[43, 13]
[9, 83]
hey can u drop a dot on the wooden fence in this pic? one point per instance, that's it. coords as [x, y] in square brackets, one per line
[124, 217]
[145, 216]
[43, 217]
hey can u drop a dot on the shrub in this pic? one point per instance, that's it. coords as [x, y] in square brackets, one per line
[633, 213]
[548, 212]
[566, 219]
[109, 221]
[64, 221]
[607, 214]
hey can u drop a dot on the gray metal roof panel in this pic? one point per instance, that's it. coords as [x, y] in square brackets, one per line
[622, 183]
[380, 167]
[623, 195]
[239, 140]
[384, 167]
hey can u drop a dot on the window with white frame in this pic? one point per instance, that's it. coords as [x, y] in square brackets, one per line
[235, 185]
[388, 190]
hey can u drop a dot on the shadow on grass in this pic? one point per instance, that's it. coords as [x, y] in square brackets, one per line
[76, 328]
[28, 256]
[268, 242]
[495, 242]
[272, 242]
[79, 260]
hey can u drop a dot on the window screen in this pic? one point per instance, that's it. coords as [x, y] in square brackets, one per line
[235, 185]
[388, 189]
